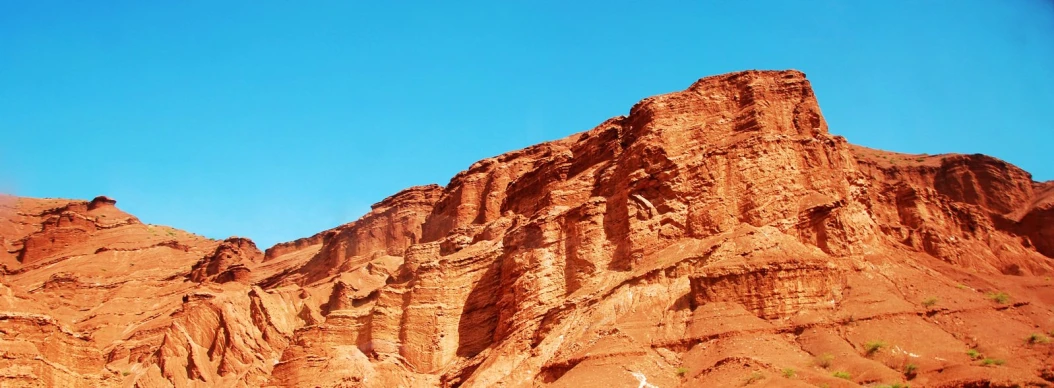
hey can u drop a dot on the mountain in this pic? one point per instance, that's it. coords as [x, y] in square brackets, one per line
[716, 236]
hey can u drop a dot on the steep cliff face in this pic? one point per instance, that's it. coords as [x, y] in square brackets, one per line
[1036, 222]
[716, 236]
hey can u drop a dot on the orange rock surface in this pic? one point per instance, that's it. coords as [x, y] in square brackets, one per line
[717, 236]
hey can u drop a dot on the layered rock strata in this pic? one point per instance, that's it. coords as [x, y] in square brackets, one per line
[716, 236]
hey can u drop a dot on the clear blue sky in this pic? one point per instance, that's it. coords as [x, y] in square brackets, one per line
[275, 120]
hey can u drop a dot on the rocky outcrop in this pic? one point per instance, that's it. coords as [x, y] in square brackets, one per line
[229, 262]
[65, 228]
[967, 210]
[388, 229]
[46, 354]
[714, 236]
[285, 248]
[768, 274]
[1036, 224]
[224, 339]
[101, 201]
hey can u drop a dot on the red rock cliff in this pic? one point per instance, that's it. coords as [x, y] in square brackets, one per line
[716, 236]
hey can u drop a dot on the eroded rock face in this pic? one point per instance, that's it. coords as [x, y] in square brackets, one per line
[229, 262]
[770, 275]
[711, 237]
[391, 226]
[1036, 223]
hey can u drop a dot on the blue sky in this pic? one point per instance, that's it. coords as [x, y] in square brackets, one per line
[275, 120]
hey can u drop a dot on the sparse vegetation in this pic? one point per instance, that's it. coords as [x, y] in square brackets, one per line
[929, 302]
[910, 370]
[753, 378]
[789, 373]
[992, 361]
[824, 360]
[962, 286]
[974, 354]
[872, 347]
[681, 371]
[998, 297]
[894, 385]
[1036, 338]
[125, 373]
[841, 375]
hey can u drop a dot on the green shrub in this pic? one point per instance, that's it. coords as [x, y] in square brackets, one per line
[910, 369]
[824, 360]
[998, 297]
[872, 347]
[681, 371]
[992, 361]
[974, 354]
[841, 375]
[789, 372]
[929, 302]
[753, 378]
[1036, 338]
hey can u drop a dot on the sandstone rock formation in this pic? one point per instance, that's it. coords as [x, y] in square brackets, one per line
[717, 236]
[229, 262]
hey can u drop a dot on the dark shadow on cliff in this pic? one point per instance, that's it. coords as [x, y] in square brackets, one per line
[480, 316]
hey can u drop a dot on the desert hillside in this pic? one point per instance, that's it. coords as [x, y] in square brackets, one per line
[716, 236]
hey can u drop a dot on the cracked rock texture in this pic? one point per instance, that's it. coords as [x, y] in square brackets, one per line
[716, 236]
